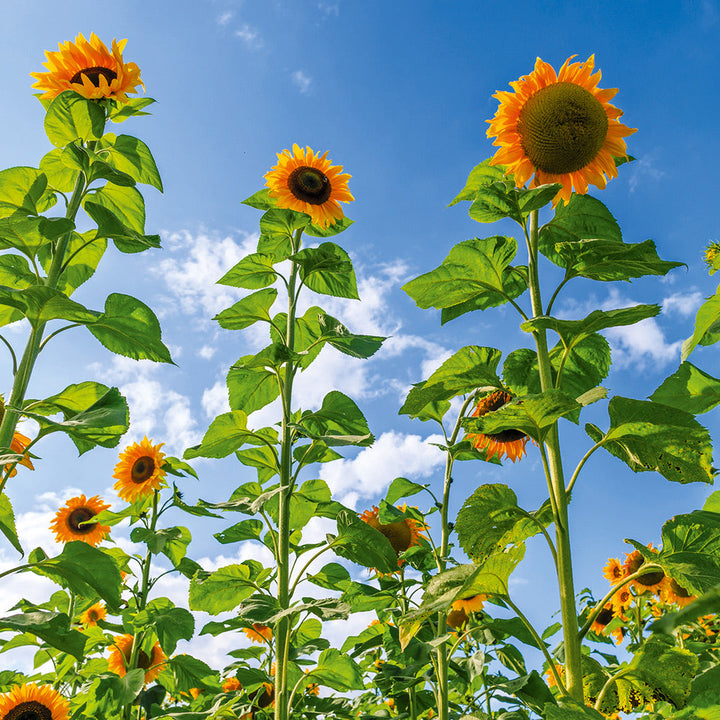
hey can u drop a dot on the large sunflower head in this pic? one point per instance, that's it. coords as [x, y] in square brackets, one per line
[19, 445]
[559, 128]
[309, 183]
[139, 471]
[510, 443]
[121, 654]
[72, 521]
[93, 614]
[33, 702]
[402, 534]
[89, 69]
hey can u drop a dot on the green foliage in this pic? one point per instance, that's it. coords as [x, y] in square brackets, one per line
[52, 628]
[363, 544]
[72, 117]
[132, 156]
[689, 389]
[338, 671]
[327, 269]
[707, 326]
[223, 589]
[338, 422]
[248, 311]
[170, 623]
[252, 272]
[24, 191]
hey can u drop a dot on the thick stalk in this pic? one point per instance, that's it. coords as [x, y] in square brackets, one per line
[32, 348]
[282, 629]
[568, 610]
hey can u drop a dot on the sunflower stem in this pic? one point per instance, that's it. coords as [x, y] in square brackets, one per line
[573, 653]
[32, 348]
[282, 630]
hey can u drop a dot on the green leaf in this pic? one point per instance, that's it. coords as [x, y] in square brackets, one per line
[261, 200]
[51, 627]
[332, 576]
[252, 272]
[706, 604]
[402, 488]
[129, 327]
[125, 203]
[221, 590]
[132, 156]
[652, 436]
[480, 176]
[569, 709]
[244, 530]
[84, 570]
[337, 335]
[308, 342]
[707, 326]
[689, 389]
[189, 672]
[72, 117]
[331, 230]
[470, 368]
[170, 623]
[84, 252]
[7, 523]
[362, 544]
[338, 422]
[475, 275]
[490, 521]
[132, 108]
[536, 198]
[40, 303]
[248, 311]
[327, 269]
[337, 671]
[109, 225]
[24, 191]
[251, 387]
[495, 202]
[263, 458]
[103, 171]
[171, 542]
[15, 272]
[59, 175]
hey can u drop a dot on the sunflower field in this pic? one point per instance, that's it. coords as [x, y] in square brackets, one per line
[521, 529]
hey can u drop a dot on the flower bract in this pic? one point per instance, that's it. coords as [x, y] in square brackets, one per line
[309, 183]
[33, 702]
[139, 471]
[559, 128]
[71, 521]
[122, 653]
[510, 443]
[90, 69]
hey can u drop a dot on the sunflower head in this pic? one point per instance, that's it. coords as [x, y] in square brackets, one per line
[93, 614]
[559, 128]
[140, 470]
[231, 684]
[19, 445]
[712, 257]
[673, 593]
[72, 521]
[309, 183]
[457, 618]
[470, 604]
[614, 571]
[402, 534]
[90, 69]
[258, 633]
[650, 581]
[560, 669]
[121, 655]
[510, 443]
[33, 702]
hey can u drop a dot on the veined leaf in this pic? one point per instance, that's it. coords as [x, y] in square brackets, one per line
[227, 433]
[252, 272]
[7, 523]
[170, 623]
[251, 387]
[84, 252]
[125, 203]
[363, 544]
[327, 269]
[223, 589]
[495, 202]
[337, 335]
[707, 326]
[24, 191]
[132, 156]
[338, 422]
[40, 303]
[337, 671]
[73, 117]
[51, 627]
[126, 239]
[248, 311]
[480, 176]
[689, 389]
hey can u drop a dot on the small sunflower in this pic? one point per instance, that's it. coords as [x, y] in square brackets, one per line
[89, 69]
[402, 534]
[470, 604]
[614, 571]
[18, 445]
[603, 619]
[139, 471]
[621, 600]
[231, 684]
[33, 702]
[309, 183]
[560, 669]
[71, 521]
[510, 443]
[122, 652]
[456, 618]
[258, 633]
[559, 127]
[95, 612]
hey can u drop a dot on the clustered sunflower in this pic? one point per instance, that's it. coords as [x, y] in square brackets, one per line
[510, 443]
[140, 470]
[309, 183]
[402, 534]
[559, 128]
[89, 69]
[121, 655]
[72, 521]
[33, 702]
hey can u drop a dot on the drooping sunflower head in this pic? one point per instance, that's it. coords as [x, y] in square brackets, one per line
[139, 471]
[93, 614]
[621, 600]
[510, 443]
[402, 534]
[673, 593]
[72, 521]
[19, 445]
[649, 581]
[258, 633]
[33, 702]
[470, 604]
[90, 69]
[559, 128]
[121, 655]
[309, 183]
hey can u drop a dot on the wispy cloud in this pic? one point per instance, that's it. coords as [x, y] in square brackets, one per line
[684, 304]
[329, 8]
[250, 36]
[225, 18]
[643, 170]
[301, 81]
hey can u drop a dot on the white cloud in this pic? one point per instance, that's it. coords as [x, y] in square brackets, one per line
[250, 36]
[301, 81]
[643, 170]
[329, 8]
[684, 304]
[215, 400]
[206, 352]
[225, 18]
[392, 455]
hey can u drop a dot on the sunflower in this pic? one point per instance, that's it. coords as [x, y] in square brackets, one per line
[603, 619]
[71, 521]
[95, 612]
[510, 443]
[456, 618]
[33, 702]
[614, 571]
[402, 534]
[231, 684]
[122, 651]
[139, 471]
[650, 581]
[18, 445]
[310, 184]
[258, 633]
[559, 127]
[89, 69]
[671, 592]
[470, 604]
[560, 669]
[621, 600]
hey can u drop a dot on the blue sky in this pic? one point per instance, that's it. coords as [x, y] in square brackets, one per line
[398, 92]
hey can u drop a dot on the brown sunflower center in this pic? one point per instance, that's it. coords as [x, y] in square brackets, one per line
[604, 616]
[310, 185]
[507, 436]
[143, 660]
[457, 618]
[93, 615]
[80, 515]
[562, 127]
[93, 75]
[32, 710]
[142, 469]
[398, 533]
